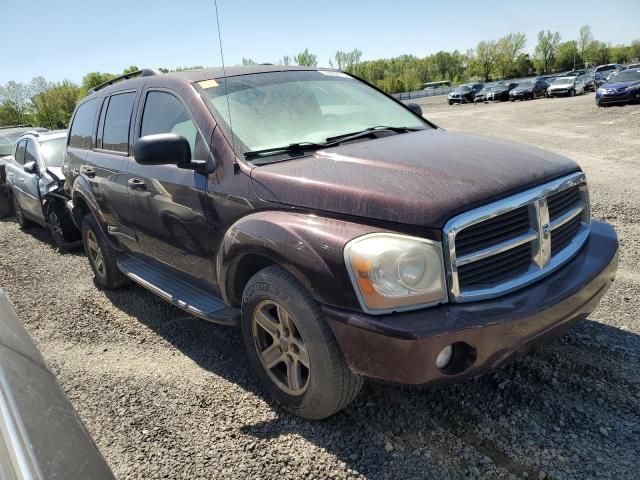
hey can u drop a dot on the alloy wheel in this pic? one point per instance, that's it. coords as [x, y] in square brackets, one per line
[95, 254]
[281, 348]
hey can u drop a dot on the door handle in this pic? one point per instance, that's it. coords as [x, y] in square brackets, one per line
[136, 184]
[89, 172]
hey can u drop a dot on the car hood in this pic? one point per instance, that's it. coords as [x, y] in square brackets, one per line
[616, 86]
[421, 178]
[522, 90]
[57, 171]
[560, 85]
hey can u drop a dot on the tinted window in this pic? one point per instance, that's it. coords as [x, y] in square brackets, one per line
[80, 135]
[116, 122]
[20, 152]
[31, 152]
[163, 113]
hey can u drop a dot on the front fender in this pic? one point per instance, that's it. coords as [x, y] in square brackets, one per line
[307, 246]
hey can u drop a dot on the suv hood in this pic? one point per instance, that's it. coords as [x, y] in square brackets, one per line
[421, 178]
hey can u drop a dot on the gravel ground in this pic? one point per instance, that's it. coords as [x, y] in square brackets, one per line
[167, 396]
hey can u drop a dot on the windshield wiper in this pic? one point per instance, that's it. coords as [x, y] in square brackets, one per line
[368, 131]
[300, 147]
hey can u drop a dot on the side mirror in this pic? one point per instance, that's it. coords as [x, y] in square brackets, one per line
[30, 167]
[415, 108]
[162, 149]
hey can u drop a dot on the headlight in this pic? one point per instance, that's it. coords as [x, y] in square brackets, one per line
[601, 91]
[395, 272]
[633, 88]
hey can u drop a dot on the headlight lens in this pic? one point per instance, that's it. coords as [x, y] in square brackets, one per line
[633, 88]
[395, 272]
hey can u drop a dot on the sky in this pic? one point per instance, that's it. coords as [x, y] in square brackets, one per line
[68, 38]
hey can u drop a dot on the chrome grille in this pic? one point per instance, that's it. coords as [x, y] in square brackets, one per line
[508, 244]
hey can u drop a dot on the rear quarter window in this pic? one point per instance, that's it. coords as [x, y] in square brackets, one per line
[82, 126]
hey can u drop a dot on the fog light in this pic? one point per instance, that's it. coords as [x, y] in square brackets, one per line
[444, 357]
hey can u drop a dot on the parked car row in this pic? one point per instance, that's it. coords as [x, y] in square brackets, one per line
[604, 79]
[347, 236]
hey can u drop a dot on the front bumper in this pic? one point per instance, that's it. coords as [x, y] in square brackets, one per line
[519, 95]
[402, 347]
[558, 93]
[606, 99]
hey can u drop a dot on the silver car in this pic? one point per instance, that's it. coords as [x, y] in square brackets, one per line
[35, 182]
[566, 87]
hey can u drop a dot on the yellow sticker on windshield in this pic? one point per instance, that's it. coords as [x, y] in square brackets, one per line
[208, 84]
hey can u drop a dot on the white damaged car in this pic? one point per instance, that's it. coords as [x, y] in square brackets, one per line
[566, 87]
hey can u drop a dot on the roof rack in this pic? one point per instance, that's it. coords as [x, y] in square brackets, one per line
[145, 72]
[16, 126]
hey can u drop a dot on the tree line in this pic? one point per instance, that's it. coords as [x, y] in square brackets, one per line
[51, 104]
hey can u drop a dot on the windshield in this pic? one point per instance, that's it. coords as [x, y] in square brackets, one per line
[626, 76]
[53, 151]
[274, 109]
[605, 68]
[463, 89]
[526, 84]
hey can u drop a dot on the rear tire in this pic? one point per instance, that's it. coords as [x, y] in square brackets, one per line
[23, 222]
[283, 326]
[102, 257]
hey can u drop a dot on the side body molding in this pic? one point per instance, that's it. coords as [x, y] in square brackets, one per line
[309, 247]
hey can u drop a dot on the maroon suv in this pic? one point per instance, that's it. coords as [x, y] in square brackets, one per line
[348, 236]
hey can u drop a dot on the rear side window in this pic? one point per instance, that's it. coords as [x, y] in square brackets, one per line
[80, 134]
[20, 152]
[164, 113]
[117, 120]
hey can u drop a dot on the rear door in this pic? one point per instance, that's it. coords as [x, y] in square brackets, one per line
[167, 202]
[106, 165]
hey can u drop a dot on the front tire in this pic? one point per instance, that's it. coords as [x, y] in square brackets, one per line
[61, 227]
[102, 257]
[292, 349]
[572, 93]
